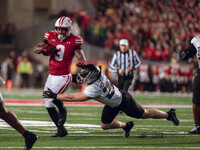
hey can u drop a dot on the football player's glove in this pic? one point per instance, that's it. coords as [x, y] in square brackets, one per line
[187, 53]
[81, 63]
[49, 50]
[49, 94]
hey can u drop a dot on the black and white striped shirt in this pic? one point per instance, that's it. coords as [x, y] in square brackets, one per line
[123, 61]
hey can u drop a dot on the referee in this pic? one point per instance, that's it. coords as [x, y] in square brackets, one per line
[125, 63]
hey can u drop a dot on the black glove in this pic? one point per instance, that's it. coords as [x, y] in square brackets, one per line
[183, 54]
[49, 94]
[187, 53]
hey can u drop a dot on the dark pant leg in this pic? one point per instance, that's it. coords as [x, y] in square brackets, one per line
[130, 107]
[127, 84]
[196, 88]
[109, 114]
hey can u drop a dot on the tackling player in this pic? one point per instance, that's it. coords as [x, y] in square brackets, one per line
[99, 88]
[194, 49]
[62, 45]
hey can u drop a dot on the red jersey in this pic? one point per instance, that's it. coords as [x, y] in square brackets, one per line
[60, 64]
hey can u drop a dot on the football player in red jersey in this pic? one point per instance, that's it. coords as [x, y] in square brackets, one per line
[67, 45]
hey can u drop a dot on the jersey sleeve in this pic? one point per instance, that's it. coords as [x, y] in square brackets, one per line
[137, 61]
[47, 36]
[196, 42]
[91, 91]
[113, 64]
[78, 41]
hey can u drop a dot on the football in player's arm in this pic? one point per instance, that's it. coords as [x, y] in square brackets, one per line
[194, 49]
[99, 88]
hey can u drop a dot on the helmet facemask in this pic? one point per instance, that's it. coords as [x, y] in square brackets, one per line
[61, 36]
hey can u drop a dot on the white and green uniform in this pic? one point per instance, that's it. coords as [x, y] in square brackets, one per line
[104, 91]
[115, 100]
[196, 86]
[196, 42]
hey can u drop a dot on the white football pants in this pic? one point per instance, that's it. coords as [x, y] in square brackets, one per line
[58, 84]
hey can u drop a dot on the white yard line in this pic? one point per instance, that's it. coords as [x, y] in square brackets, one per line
[107, 147]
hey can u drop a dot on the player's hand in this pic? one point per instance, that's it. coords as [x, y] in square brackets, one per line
[81, 63]
[121, 71]
[130, 69]
[38, 50]
[49, 94]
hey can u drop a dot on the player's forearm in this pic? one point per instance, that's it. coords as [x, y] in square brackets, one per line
[80, 55]
[69, 98]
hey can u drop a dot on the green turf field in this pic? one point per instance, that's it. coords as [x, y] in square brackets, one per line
[83, 124]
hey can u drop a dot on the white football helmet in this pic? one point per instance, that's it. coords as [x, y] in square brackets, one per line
[63, 22]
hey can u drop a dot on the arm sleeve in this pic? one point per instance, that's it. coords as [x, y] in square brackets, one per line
[77, 47]
[91, 91]
[137, 61]
[113, 64]
[78, 41]
[47, 36]
[45, 41]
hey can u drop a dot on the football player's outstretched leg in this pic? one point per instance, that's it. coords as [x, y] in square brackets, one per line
[11, 119]
[118, 124]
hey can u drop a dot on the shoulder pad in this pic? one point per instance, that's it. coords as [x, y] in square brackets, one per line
[196, 41]
[48, 34]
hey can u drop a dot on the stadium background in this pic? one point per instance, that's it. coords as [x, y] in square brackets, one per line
[157, 30]
[173, 22]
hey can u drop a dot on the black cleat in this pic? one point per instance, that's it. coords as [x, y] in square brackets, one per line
[62, 117]
[127, 129]
[172, 117]
[30, 139]
[195, 130]
[61, 132]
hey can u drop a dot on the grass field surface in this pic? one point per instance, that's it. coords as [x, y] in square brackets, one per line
[83, 125]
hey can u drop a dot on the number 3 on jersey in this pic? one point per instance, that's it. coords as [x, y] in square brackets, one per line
[60, 53]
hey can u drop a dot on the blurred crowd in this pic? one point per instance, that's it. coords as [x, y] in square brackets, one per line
[165, 77]
[21, 72]
[155, 29]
